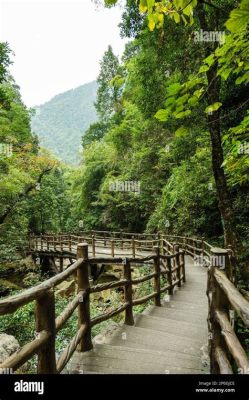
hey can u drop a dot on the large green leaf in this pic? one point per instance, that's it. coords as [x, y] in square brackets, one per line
[162, 115]
[239, 18]
[213, 107]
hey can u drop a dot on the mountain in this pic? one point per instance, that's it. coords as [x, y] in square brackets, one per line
[61, 122]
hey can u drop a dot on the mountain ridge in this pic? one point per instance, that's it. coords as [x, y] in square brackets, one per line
[61, 122]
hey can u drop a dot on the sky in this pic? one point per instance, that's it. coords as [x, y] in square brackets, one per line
[57, 44]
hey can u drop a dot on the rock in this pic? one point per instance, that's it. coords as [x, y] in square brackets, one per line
[66, 288]
[8, 346]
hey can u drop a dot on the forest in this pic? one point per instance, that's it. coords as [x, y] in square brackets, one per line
[168, 152]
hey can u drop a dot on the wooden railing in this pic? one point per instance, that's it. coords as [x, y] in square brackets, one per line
[225, 303]
[166, 256]
[47, 325]
[114, 245]
[227, 356]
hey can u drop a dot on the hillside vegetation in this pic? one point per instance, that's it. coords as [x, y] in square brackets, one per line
[62, 121]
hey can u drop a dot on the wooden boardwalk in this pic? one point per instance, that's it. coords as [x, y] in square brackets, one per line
[171, 339]
[193, 295]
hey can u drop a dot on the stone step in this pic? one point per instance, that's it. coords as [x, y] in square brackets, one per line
[179, 328]
[141, 338]
[176, 315]
[109, 358]
[185, 296]
[181, 305]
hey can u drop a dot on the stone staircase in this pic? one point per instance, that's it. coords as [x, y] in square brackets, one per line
[171, 339]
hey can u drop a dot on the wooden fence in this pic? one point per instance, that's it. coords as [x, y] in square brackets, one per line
[67, 244]
[166, 257]
[47, 325]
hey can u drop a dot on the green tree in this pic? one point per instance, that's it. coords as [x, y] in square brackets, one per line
[109, 85]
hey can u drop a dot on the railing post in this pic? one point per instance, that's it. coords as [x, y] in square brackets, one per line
[112, 247]
[45, 320]
[61, 264]
[121, 238]
[70, 243]
[129, 320]
[194, 245]
[183, 266]
[41, 241]
[133, 247]
[178, 266]
[157, 285]
[84, 306]
[159, 239]
[93, 245]
[202, 246]
[169, 275]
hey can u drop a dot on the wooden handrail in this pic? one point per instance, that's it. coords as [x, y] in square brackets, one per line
[223, 296]
[235, 298]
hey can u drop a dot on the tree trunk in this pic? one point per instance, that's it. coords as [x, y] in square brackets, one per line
[225, 202]
[213, 94]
